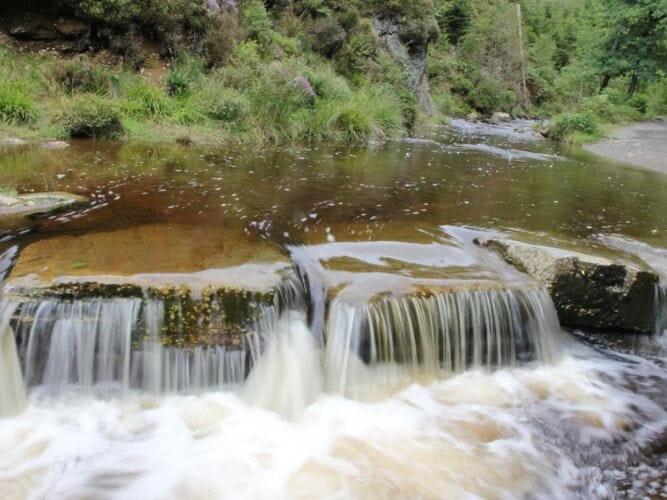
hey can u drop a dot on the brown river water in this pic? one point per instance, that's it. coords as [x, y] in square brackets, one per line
[555, 414]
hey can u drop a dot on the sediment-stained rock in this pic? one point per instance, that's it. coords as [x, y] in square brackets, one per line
[211, 286]
[588, 290]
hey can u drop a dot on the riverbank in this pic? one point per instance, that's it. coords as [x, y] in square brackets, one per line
[642, 145]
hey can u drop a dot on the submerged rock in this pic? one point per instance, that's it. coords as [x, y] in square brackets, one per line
[588, 290]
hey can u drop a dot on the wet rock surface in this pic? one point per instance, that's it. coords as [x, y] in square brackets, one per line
[13, 208]
[588, 290]
[202, 305]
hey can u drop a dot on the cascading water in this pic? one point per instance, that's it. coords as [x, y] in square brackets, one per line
[111, 346]
[12, 390]
[106, 346]
[426, 338]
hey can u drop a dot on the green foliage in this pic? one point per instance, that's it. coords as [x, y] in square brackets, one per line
[566, 124]
[227, 105]
[145, 101]
[109, 12]
[371, 113]
[453, 17]
[327, 84]
[358, 54]
[80, 76]
[15, 105]
[612, 107]
[656, 98]
[91, 116]
[256, 21]
[488, 95]
[185, 72]
[275, 98]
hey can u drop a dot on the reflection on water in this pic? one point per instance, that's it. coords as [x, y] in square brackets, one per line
[311, 194]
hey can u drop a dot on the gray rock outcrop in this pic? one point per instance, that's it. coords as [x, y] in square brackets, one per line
[413, 58]
[588, 291]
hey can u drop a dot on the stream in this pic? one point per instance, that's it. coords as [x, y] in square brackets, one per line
[395, 358]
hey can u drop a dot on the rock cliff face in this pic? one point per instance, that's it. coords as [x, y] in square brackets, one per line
[412, 57]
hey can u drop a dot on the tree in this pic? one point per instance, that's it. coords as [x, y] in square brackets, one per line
[637, 45]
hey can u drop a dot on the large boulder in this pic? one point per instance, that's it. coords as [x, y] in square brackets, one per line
[588, 290]
[500, 117]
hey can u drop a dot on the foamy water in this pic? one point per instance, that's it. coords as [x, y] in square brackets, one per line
[582, 427]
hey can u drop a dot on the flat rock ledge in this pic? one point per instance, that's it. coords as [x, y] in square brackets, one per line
[588, 291]
[23, 206]
[213, 307]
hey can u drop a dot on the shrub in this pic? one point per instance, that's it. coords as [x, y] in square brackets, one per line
[326, 83]
[144, 101]
[15, 105]
[178, 82]
[361, 49]
[91, 116]
[221, 34]
[274, 97]
[107, 12]
[490, 95]
[184, 73]
[656, 98]
[408, 103]
[256, 21]
[328, 36]
[371, 113]
[228, 105]
[566, 124]
[79, 76]
[604, 108]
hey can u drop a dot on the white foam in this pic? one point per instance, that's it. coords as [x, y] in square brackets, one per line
[554, 432]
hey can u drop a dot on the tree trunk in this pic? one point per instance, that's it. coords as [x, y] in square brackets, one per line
[524, 87]
[605, 82]
[634, 82]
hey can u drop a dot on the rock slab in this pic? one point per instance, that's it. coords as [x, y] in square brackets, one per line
[588, 291]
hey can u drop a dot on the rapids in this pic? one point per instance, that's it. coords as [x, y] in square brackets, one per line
[394, 359]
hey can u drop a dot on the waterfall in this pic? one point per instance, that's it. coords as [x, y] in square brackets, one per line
[295, 347]
[7, 261]
[288, 375]
[390, 342]
[109, 346]
[12, 390]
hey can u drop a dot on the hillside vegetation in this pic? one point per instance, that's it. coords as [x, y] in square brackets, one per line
[348, 71]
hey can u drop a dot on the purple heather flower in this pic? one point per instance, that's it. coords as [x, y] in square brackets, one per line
[301, 82]
[212, 5]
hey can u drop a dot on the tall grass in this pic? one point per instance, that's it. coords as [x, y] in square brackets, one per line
[15, 105]
[147, 102]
